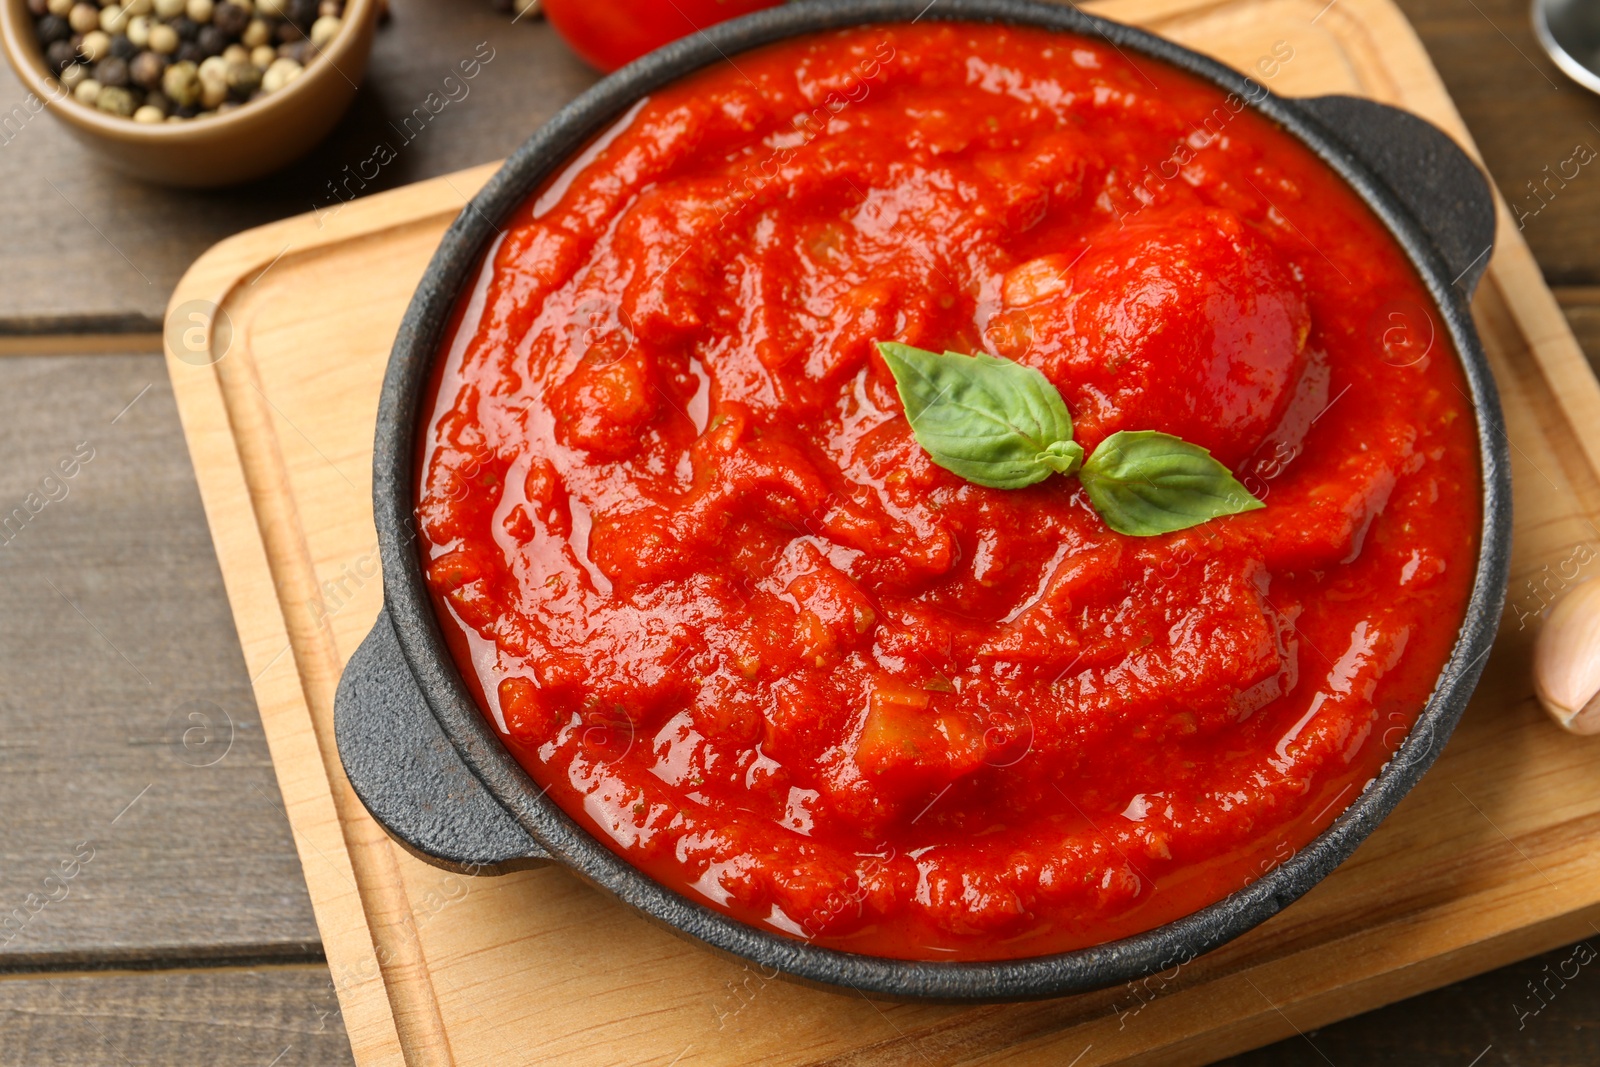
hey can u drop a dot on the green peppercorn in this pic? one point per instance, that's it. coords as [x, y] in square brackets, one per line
[116, 100]
[181, 84]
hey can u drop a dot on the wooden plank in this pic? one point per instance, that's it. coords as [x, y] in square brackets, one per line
[86, 249]
[1581, 306]
[1526, 116]
[1540, 1012]
[224, 1017]
[121, 841]
[1487, 861]
[77, 344]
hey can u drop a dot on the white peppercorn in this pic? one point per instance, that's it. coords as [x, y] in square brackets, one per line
[60, 8]
[170, 9]
[96, 45]
[324, 30]
[86, 92]
[256, 34]
[163, 39]
[279, 74]
[213, 81]
[74, 74]
[236, 53]
[199, 10]
[138, 31]
[83, 18]
[113, 19]
[147, 114]
[139, 7]
[263, 56]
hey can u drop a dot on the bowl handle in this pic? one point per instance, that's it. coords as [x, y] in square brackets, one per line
[1425, 170]
[410, 776]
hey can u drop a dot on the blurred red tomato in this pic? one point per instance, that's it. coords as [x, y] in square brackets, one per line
[609, 33]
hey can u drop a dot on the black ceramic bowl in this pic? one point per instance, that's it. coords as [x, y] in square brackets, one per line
[426, 763]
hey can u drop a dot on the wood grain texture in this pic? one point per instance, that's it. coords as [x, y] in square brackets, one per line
[1525, 116]
[1581, 306]
[275, 1017]
[1486, 862]
[1540, 1012]
[114, 631]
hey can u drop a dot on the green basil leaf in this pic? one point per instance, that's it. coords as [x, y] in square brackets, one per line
[992, 421]
[1144, 483]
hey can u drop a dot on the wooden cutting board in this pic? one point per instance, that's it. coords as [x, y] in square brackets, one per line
[1490, 859]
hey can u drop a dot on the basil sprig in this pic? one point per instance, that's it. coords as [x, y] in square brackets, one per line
[1000, 424]
[1143, 482]
[992, 421]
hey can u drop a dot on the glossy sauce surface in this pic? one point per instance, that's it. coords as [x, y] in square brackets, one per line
[720, 604]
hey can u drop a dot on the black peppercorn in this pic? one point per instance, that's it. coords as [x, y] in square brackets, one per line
[212, 41]
[288, 33]
[188, 111]
[189, 52]
[60, 55]
[301, 12]
[38, 7]
[185, 27]
[112, 71]
[146, 69]
[123, 48]
[230, 18]
[52, 28]
[158, 100]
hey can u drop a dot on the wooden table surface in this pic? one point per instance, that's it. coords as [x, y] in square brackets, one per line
[152, 909]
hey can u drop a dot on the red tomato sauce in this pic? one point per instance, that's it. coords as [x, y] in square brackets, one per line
[742, 628]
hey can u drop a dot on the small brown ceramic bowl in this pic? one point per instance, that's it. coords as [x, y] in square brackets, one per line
[254, 139]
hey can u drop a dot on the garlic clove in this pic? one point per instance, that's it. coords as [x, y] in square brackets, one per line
[1566, 660]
